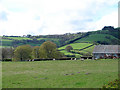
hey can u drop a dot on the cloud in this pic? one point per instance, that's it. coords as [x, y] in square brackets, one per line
[108, 20]
[55, 16]
[3, 16]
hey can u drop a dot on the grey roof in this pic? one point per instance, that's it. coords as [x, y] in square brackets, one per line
[107, 49]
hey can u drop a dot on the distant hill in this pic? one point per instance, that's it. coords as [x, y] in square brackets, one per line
[59, 40]
[100, 37]
[103, 36]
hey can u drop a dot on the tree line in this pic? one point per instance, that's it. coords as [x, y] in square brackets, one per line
[47, 50]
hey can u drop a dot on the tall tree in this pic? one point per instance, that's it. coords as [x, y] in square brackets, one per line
[49, 50]
[35, 52]
[23, 53]
[7, 53]
[4, 53]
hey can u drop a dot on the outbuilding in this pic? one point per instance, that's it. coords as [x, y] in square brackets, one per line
[106, 51]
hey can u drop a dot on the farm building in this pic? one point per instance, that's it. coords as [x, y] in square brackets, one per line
[106, 51]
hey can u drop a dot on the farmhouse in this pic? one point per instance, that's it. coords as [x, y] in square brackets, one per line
[106, 51]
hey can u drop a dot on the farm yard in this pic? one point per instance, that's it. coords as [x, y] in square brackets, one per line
[59, 74]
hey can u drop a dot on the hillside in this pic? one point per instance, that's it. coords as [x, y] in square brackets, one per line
[99, 38]
[59, 40]
[110, 37]
[79, 49]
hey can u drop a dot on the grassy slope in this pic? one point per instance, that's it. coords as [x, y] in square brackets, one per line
[66, 53]
[7, 42]
[96, 37]
[19, 38]
[90, 49]
[32, 74]
[76, 45]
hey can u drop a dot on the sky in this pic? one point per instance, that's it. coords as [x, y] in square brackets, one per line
[46, 17]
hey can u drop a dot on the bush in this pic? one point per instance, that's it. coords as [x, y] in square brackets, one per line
[112, 84]
[68, 48]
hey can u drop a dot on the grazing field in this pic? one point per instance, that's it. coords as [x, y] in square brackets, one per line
[76, 48]
[90, 50]
[6, 42]
[97, 37]
[59, 74]
[77, 45]
[19, 38]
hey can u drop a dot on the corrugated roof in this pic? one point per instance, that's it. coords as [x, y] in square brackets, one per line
[107, 49]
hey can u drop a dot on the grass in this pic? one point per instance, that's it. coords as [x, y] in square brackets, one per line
[88, 50]
[6, 42]
[97, 37]
[50, 74]
[77, 45]
[19, 38]
[66, 53]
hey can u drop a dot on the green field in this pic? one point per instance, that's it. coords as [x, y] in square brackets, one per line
[66, 53]
[76, 45]
[19, 38]
[50, 74]
[97, 37]
[6, 42]
[90, 50]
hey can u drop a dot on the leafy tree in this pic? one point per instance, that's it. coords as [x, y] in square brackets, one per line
[23, 53]
[4, 53]
[68, 48]
[7, 53]
[29, 35]
[49, 50]
[35, 52]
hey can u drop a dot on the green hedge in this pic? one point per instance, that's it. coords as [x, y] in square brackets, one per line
[7, 60]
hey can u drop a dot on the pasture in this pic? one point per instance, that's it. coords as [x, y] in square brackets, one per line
[76, 48]
[59, 74]
[97, 37]
[77, 45]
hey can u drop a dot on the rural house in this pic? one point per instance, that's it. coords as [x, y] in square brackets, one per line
[106, 51]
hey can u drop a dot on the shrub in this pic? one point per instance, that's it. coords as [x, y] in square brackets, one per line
[68, 48]
[112, 84]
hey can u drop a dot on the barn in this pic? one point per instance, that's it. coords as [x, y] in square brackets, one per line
[106, 51]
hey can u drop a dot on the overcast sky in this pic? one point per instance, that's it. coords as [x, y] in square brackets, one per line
[38, 17]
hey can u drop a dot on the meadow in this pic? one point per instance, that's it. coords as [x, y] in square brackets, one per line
[59, 74]
[77, 45]
[76, 48]
[97, 37]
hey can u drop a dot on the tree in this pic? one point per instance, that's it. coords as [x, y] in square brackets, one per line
[29, 35]
[35, 52]
[68, 48]
[7, 53]
[49, 50]
[23, 53]
[4, 53]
